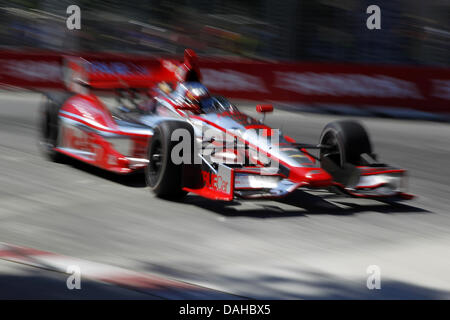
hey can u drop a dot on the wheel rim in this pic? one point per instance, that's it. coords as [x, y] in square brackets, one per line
[332, 153]
[155, 162]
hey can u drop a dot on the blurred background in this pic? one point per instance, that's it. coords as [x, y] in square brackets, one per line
[414, 32]
[317, 62]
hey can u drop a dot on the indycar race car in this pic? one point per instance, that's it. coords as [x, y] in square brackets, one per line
[185, 139]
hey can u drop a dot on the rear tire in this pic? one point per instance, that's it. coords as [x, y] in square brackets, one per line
[49, 124]
[164, 177]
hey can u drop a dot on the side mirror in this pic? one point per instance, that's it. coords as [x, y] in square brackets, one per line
[263, 108]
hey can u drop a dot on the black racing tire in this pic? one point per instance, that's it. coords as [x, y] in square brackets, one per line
[49, 124]
[163, 176]
[348, 140]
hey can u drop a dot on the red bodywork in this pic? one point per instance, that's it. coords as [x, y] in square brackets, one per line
[90, 134]
[88, 110]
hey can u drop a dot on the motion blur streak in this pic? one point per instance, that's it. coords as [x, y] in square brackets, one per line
[412, 31]
[303, 247]
[306, 54]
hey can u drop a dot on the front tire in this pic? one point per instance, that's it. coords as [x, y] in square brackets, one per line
[164, 177]
[346, 141]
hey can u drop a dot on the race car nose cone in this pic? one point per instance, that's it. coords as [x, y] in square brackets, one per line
[315, 177]
[318, 178]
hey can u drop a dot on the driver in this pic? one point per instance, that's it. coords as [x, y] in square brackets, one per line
[190, 95]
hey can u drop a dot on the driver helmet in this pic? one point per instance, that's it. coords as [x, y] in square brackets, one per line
[193, 94]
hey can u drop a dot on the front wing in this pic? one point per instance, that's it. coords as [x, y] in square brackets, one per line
[226, 183]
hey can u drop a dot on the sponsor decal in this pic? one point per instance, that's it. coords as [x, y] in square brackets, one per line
[84, 144]
[87, 111]
[31, 70]
[177, 70]
[215, 182]
[219, 181]
[231, 80]
[169, 65]
[347, 84]
[76, 139]
[441, 89]
[418, 87]
[117, 68]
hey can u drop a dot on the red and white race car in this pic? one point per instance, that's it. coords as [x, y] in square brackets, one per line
[188, 140]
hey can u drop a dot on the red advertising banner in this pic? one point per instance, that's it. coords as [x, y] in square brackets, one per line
[37, 70]
[414, 87]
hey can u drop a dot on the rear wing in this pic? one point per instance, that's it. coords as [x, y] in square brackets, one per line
[81, 74]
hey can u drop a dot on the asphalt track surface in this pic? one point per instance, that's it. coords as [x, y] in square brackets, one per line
[313, 245]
